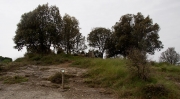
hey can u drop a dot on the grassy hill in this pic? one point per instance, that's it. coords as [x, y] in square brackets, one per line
[164, 82]
[113, 74]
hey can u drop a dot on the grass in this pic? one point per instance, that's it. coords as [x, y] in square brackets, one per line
[13, 80]
[114, 74]
[11, 66]
[37, 59]
[111, 74]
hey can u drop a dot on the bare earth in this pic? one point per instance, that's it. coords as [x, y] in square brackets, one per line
[38, 87]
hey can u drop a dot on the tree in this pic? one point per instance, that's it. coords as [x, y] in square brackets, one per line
[39, 29]
[135, 31]
[170, 56]
[72, 38]
[98, 38]
[79, 44]
[111, 46]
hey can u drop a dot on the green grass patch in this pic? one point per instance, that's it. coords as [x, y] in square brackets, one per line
[50, 59]
[14, 80]
[114, 74]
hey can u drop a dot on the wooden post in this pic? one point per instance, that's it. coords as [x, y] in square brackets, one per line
[62, 78]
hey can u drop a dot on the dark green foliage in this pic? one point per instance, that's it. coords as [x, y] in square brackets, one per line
[155, 91]
[164, 69]
[111, 46]
[99, 37]
[60, 51]
[39, 29]
[39, 59]
[73, 41]
[1, 68]
[5, 59]
[170, 56]
[57, 78]
[136, 31]
[43, 28]
[79, 44]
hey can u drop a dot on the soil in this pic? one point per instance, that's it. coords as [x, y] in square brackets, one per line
[39, 87]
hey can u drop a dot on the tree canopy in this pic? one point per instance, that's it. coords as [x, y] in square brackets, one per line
[39, 29]
[99, 37]
[73, 41]
[136, 31]
[43, 28]
[170, 56]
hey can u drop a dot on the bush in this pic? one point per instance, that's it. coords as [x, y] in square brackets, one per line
[153, 91]
[5, 59]
[1, 68]
[60, 51]
[138, 64]
[57, 78]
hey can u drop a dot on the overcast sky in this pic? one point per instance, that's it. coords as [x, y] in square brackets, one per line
[93, 13]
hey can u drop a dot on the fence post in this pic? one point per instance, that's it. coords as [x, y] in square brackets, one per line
[62, 71]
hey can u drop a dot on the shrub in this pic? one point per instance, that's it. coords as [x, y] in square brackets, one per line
[57, 78]
[153, 91]
[1, 68]
[60, 51]
[5, 59]
[163, 69]
[138, 64]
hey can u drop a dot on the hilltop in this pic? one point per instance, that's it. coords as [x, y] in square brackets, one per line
[31, 77]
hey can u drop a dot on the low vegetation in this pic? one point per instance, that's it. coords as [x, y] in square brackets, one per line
[39, 59]
[13, 80]
[57, 78]
[5, 59]
[163, 80]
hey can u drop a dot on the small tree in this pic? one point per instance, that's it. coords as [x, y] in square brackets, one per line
[170, 56]
[72, 40]
[98, 38]
[138, 63]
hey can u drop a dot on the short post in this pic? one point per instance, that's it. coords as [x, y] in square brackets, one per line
[62, 71]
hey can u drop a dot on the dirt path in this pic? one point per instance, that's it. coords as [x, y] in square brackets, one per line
[38, 87]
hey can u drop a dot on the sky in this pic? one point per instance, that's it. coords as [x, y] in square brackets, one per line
[91, 14]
